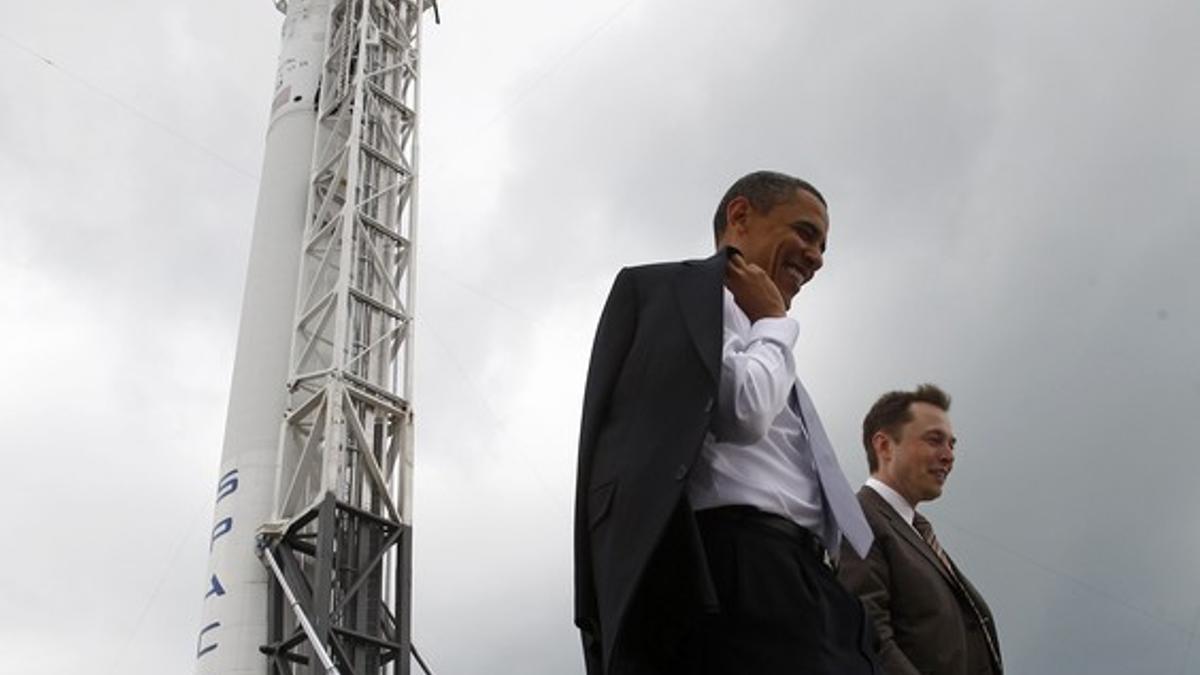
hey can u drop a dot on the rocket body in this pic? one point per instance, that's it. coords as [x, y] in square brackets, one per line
[234, 623]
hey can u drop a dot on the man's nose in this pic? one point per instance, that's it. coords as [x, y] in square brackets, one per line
[815, 258]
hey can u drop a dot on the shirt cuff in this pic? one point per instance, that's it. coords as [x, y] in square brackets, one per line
[782, 330]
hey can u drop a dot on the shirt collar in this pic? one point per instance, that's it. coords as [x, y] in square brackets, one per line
[898, 503]
[734, 313]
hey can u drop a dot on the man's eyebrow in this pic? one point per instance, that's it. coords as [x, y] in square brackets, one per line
[803, 224]
[941, 434]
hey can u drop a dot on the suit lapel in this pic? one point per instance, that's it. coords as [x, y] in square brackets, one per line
[910, 536]
[982, 614]
[698, 289]
[961, 587]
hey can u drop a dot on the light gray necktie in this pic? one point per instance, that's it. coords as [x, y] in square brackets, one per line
[843, 506]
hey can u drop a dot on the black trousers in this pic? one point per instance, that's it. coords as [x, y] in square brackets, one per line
[782, 610]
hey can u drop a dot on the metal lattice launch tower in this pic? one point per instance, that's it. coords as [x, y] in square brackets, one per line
[310, 553]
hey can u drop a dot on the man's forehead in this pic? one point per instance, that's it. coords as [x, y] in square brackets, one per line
[929, 415]
[808, 202]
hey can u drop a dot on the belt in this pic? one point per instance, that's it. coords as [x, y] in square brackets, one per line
[749, 515]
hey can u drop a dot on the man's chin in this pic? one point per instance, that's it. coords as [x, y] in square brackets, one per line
[789, 299]
[787, 294]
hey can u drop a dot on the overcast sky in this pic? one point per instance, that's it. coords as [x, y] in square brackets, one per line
[1013, 191]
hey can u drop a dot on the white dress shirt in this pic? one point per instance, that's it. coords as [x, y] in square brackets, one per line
[898, 503]
[758, 452]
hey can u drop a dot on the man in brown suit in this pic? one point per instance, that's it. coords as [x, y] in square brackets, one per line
[930, 619]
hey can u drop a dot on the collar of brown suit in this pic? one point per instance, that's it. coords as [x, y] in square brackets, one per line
[909, 535]
[961, 587]
[879, 509]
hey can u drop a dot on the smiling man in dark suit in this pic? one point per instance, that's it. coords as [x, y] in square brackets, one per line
[931, 620]
[707, 492]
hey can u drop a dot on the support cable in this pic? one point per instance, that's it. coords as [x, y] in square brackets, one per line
[103, 93]
[420, 661]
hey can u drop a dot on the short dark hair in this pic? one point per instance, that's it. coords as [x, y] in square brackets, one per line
[891, 412]
[765, 190]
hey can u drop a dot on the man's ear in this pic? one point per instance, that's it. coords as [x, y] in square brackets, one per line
[737, 213]
[884, 448]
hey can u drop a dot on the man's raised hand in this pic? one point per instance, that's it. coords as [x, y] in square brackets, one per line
[753, 289]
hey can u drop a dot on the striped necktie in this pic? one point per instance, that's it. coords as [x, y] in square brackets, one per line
[925, 529]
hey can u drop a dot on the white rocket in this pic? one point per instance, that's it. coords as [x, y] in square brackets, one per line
[311, 543]
[234, 623]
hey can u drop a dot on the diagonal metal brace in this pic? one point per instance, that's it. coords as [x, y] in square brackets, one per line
[322, 655]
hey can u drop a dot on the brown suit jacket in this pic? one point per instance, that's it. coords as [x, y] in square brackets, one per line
[928, 623]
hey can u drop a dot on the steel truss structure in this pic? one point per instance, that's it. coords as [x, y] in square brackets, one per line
[339, 548]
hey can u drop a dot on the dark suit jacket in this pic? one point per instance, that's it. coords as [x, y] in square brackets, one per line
[927, 623]
[651, 387]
